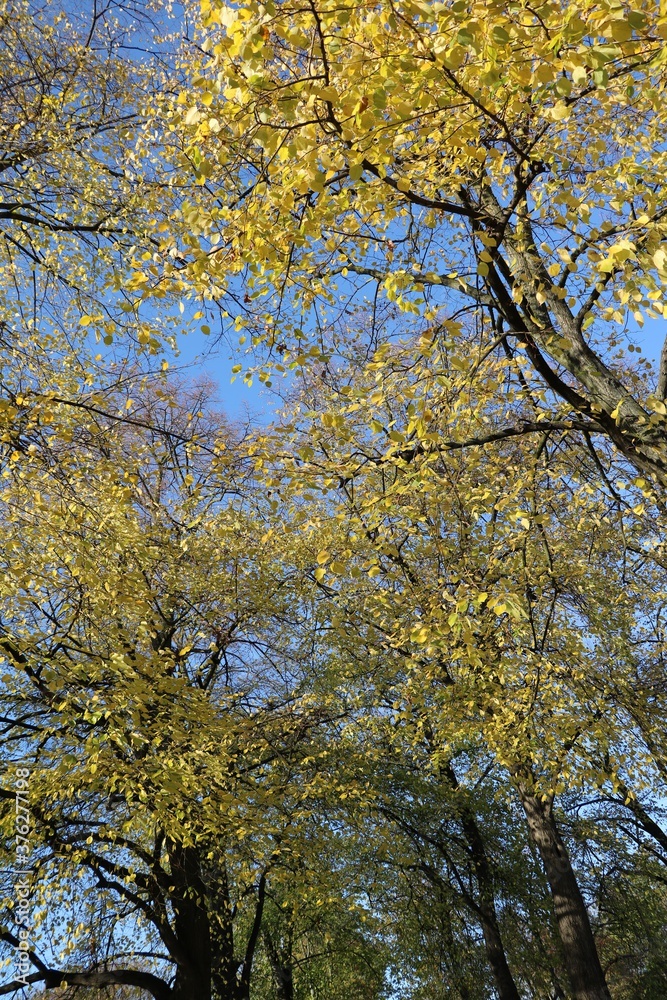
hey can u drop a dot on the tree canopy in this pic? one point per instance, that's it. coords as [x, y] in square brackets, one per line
[367, 699]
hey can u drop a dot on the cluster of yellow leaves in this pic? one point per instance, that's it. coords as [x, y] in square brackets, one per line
[484, 580]
[328, 131]
[144, 592]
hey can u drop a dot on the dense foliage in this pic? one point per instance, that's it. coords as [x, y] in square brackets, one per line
[369, 700]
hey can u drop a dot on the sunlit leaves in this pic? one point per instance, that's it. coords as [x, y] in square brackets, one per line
[441, 157]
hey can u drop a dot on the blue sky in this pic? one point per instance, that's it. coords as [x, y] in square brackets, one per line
[199, 356]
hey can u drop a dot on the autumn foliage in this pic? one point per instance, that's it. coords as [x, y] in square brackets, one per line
[367, 698]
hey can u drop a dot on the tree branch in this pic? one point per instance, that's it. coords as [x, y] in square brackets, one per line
[54, 978]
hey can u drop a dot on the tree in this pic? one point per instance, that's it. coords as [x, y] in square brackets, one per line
[431, 602]
[75, 201]
[469, 906]
[486, 563]
[322, 935]
[74, 198]
[154, 678]
[506, 161]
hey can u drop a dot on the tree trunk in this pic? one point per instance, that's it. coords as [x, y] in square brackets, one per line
[224, 967]
[280, 959]
[191, 925]
[486, 907]
[495, 953]
[579, 951]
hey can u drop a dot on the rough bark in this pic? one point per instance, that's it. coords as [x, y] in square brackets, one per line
[579, 950]
[191, 926]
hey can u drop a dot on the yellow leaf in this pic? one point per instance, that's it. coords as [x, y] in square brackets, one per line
[560, 112]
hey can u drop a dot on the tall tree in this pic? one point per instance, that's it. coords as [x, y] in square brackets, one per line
[486, 563]
[154, 680]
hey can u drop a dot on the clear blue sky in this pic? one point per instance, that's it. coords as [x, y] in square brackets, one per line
[200, 356]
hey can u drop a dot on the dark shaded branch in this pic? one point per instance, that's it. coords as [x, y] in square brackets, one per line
[55, 978]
